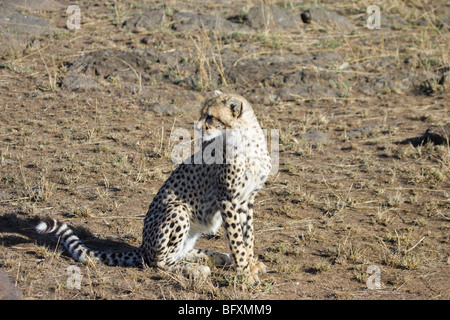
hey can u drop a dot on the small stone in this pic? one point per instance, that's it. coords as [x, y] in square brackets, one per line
[306, 16]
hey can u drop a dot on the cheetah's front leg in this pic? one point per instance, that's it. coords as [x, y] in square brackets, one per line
[246, 217]
[239, 248]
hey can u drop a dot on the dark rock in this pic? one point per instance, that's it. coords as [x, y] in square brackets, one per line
[256, 71]
[17, 29]
[289, 81]
[438, 134]
[399, 82]
[76, 82]
[306, 16]
[105, 62]
[23, 24]
[329, 19]
[137, 67]
[188, 21]
[130, 67]
[145, 21]
[307, 92]
[35, 5]
[271, 17]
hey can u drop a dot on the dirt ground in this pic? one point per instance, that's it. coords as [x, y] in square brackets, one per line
[360, 194]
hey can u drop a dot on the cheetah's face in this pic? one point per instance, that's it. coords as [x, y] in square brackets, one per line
[220, 113]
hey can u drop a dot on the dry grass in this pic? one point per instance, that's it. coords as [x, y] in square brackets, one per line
[96, 159]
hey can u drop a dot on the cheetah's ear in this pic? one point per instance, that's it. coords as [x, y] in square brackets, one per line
[216, 93]
[235, 106]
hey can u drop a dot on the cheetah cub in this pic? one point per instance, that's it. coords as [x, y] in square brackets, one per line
[198, 198]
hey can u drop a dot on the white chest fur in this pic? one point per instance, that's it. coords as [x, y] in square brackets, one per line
[247, 149]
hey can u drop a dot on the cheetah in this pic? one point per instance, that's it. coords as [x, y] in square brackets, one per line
[198, 198]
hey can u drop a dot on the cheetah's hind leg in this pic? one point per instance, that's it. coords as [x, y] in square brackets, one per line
[167, 238]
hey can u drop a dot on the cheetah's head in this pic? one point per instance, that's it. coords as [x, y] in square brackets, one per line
[222, 112]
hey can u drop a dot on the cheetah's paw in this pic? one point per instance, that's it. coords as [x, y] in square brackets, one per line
[202, 272]
[258, 268]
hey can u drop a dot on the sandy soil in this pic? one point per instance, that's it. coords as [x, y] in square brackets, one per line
[86, 117]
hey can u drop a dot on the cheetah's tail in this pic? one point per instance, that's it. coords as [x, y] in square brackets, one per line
[80, 252]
